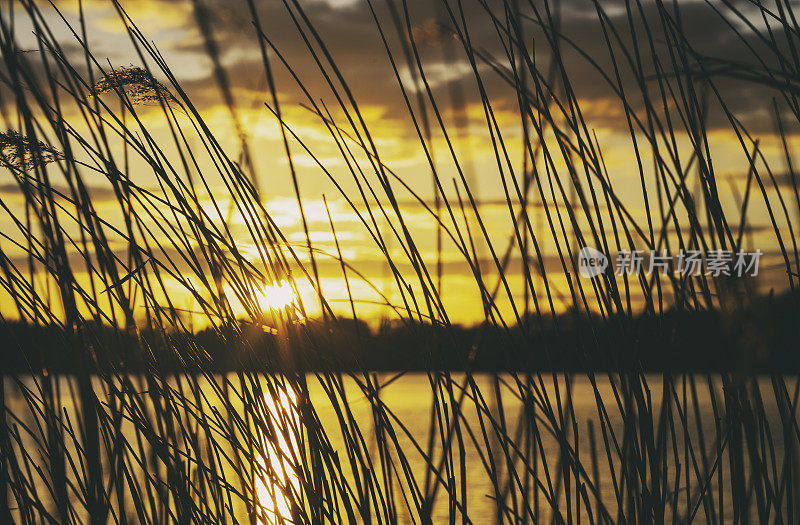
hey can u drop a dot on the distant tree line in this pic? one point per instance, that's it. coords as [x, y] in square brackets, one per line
[764, 336]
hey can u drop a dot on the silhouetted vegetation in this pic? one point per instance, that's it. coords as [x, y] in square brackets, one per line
[761, 338]
[84, 439]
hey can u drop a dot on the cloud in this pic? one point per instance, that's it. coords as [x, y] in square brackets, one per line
[97, 193]
[351, 37]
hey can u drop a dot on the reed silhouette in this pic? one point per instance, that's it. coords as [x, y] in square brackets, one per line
[115, 409]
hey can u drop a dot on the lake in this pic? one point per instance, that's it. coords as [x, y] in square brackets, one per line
[680, 450]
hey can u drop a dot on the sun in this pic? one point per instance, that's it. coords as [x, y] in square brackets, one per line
[277, 296]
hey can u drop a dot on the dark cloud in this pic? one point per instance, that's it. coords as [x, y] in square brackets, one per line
[352, 38]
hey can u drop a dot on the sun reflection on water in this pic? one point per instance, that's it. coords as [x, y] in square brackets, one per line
[275, 476]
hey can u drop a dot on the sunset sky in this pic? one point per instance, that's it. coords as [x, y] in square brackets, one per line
[353, 40]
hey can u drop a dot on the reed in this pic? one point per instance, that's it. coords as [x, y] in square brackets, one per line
[127, 439]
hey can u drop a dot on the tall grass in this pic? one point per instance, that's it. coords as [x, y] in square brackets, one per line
[107, 445]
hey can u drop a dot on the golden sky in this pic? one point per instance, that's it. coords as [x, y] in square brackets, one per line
[351, 36]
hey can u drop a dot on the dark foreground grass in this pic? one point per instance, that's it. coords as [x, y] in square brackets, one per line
[105, 445]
